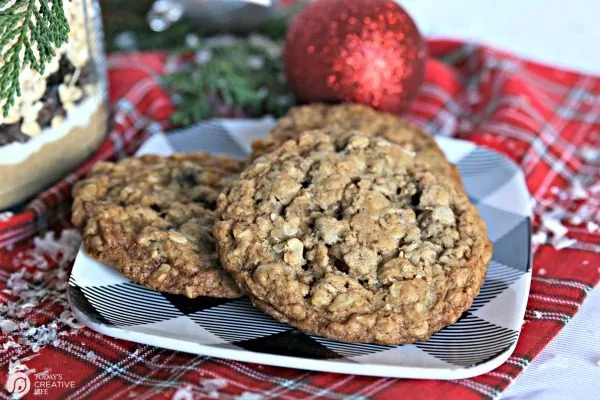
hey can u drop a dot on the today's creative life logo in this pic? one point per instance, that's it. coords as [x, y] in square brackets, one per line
[18, 384]
[43, 384]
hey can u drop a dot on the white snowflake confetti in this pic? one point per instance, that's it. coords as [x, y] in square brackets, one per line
[555, 226]
[248, 396]
[211, 386]
[542, 271]
[61, 250]
[36, 283]
[7, 326]
[563, 243]
[16, 366]
[578, 191]
[5, 216]
[539, 237]
[184, 393]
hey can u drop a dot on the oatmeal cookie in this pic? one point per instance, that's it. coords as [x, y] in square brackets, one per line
[352, 238]
[152, 218]
[358, 117]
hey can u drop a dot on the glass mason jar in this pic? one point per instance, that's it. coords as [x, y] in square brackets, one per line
[60, 117]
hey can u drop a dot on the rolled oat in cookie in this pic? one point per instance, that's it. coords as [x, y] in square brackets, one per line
[152, 218]
[358, 117]
[353, 238]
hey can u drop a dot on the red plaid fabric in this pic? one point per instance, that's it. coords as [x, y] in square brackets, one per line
[545, 119]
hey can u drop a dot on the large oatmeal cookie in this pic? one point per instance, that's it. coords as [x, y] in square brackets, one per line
[352, 238]
[152, 218]
[348, 116]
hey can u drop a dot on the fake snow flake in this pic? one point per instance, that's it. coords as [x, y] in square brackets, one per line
[542, 272]
[7, 326]
[68, 318]
[10, 344]
[60, 250]
[592, 226]
[555, 226]
[29, 289]
[5, 216]
[539, 237]
[578, 191]
[551, 221]
[40, 336]
[184, 393]
[212, 386]
[563, 243]
[16, 283]
[248, 396]
[17, 365]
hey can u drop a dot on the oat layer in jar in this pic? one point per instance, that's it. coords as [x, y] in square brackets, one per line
[60, 116]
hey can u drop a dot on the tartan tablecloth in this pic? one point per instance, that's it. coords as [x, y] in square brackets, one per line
[547, 120]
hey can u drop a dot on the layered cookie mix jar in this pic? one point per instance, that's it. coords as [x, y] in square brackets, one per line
[59, 115]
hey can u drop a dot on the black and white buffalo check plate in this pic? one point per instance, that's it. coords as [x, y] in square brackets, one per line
[482, 339]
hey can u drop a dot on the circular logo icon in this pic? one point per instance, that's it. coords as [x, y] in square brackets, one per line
[18, 384]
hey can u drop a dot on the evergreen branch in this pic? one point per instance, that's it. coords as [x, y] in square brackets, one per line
[29, 36]
[229, 75]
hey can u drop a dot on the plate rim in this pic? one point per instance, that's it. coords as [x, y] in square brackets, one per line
[308, 364]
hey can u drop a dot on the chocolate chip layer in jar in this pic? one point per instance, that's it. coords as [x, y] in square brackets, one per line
[60, 116]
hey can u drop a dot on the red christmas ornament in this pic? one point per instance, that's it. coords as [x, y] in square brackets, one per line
[364, 51]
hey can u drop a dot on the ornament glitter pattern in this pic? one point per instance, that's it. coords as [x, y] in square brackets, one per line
[364, 51]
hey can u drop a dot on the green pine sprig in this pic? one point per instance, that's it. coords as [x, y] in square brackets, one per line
[227, 76]
[29, 36]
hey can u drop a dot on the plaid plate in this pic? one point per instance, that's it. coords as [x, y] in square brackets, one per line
[483, 337]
